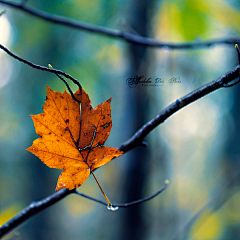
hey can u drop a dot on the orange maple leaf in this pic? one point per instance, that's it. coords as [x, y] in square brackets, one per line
[71, 139]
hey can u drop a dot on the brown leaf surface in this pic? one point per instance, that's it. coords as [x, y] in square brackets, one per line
[72, 140]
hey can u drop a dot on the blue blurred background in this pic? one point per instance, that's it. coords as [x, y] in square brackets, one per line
[197, 149]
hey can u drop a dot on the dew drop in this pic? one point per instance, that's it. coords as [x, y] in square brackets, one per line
[111, 208]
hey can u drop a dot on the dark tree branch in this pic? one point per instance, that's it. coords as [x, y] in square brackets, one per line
[32, 209]
[137, 138]
[41, 67]
[128, 37]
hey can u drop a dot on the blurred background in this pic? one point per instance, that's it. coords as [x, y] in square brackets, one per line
[197, 149]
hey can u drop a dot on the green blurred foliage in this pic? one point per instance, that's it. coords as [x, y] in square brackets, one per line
[190, 22]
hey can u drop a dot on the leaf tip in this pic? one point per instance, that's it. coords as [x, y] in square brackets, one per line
[59, 186]
[49, 90]
[31, 149]
[28, 149]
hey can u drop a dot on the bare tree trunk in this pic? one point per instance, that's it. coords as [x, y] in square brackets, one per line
[134, 225]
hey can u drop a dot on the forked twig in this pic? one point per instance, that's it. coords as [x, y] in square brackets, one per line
[52, 70]
[66, 83]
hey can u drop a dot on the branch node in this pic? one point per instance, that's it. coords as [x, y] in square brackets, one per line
[226, 85]
[144, 144]
[178, 102]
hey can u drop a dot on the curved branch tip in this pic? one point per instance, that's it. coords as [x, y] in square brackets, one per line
[167, 181]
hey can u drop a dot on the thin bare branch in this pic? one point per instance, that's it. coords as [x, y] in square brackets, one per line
[66, 83]
[40, 67]
[124, 205]
[137, 138]
[128, 37]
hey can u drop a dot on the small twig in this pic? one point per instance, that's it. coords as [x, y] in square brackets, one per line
[226, 85]
[66, 83]
[144, 199]
[238, 53]
[137, 139]
[124, 205]
[52, 70]
[128, 37]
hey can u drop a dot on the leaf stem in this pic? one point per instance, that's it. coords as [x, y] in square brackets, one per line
[109, 203]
